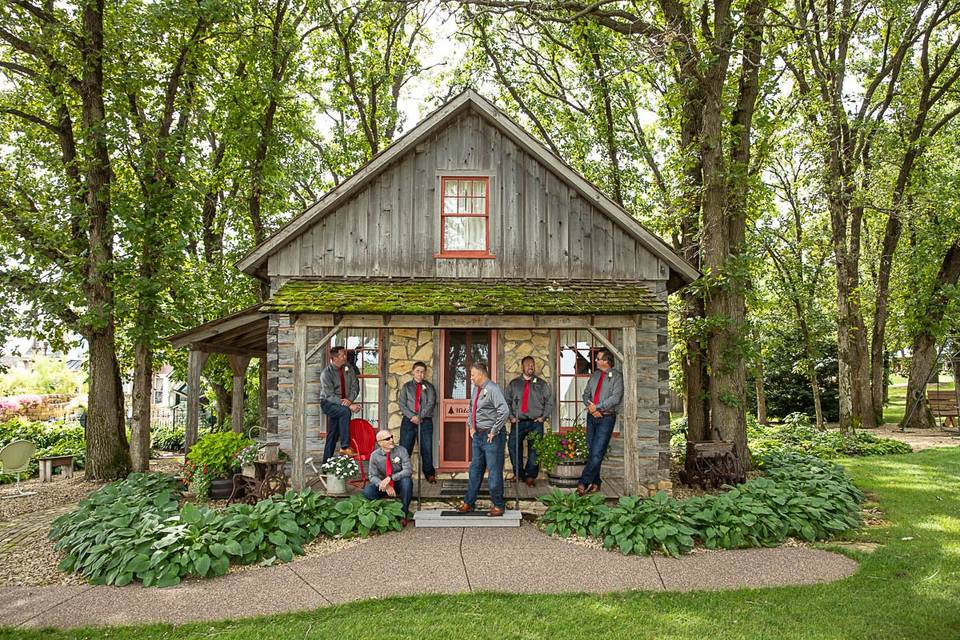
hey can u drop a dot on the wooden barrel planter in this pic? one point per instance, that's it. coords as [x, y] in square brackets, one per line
[566, 475]
[220, 489]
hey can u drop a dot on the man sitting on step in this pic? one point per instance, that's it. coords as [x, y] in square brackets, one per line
[390, 473]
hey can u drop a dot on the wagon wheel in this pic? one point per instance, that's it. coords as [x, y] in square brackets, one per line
[272, 485]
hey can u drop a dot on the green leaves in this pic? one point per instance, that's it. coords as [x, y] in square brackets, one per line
[134, 530]
[802, 497]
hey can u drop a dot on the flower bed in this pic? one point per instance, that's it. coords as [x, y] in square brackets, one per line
[134, 529]
[800, 497]
[51, 439]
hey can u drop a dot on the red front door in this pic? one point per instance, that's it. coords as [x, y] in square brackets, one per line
[460, 348]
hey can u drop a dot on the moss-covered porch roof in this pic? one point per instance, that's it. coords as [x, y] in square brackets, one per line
[420, 296]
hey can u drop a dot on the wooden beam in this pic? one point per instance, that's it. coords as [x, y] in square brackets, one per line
[238, 364]
[211, 347]
[606, 343]
[322, 342]
[628, 429]
[298, 430]
[195, 361]
[200, 335]
[469, 321]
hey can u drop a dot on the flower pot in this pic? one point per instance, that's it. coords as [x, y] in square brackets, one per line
[249, 470]
[333, 484]
[567, 474]
[220, 489]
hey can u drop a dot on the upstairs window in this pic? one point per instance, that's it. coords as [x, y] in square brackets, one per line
[465, 217]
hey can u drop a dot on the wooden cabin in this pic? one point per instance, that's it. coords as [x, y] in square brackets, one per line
[465, 239]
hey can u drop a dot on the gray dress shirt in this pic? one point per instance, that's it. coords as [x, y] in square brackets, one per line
[539, 403]
[330, 383]
[611, 394]
[377, 470]
[408, 399]
[492, 409]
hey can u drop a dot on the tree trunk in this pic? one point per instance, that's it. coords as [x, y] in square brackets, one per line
[107, 456]
[761, 393]
[142, 390]
[223, 404]
[815, 387]
[924, 342]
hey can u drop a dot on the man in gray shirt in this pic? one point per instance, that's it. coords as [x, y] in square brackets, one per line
[531, 403]
[603, 398]
[390, 473]
[488, 413]
[418, 398]
[339, 389]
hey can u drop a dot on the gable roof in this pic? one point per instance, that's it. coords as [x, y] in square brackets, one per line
[254, 261]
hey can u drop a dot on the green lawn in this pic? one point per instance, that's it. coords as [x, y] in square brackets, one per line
[897, 395]
[909, 588]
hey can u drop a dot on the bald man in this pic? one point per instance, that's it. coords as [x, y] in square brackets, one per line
[390, 473]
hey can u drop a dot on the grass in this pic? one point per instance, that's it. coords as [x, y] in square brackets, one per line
[909, 588]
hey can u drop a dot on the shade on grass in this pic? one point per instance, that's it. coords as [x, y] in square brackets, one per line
[906, 589]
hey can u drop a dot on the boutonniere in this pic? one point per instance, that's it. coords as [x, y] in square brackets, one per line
[534, 381]
[483, 394]
[396, 459]
[610, 373]
[423, 387]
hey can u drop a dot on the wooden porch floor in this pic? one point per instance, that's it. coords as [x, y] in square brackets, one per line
[455, 488]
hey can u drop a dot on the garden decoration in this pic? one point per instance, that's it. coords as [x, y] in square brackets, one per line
[337, 471]
[562, 455]
[215, 456]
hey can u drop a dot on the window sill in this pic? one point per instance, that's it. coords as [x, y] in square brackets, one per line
[475, 255]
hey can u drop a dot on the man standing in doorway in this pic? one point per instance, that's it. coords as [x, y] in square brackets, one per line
[339, 388]
[603, 397]
[531, 403]
[488, 414]
[417, 400]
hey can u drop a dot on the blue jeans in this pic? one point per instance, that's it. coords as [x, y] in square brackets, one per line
[403, 487]
[599, 431]
[408, 436]
[338, 426]
[486, 455]
[522, 430]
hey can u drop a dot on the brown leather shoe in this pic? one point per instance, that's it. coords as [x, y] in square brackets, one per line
[531, 482]
[432, 479]
[581, 490]
[494, 512]
[593, 488]
[347, 451]
[465, 508]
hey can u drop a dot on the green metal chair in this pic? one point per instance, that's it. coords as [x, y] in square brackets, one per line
[14, 460]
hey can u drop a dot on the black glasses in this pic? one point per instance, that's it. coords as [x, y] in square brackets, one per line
[384, 439]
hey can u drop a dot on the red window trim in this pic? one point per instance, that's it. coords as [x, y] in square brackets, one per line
[477, 254]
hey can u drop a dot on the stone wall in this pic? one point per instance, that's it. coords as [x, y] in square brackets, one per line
[519, 343]
[403, 347]
[653, 403]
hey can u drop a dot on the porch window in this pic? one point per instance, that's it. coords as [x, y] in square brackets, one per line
[363, 354]
[465, 217]
[576, 354]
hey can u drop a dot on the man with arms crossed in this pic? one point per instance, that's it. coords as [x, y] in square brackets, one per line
[531, 402]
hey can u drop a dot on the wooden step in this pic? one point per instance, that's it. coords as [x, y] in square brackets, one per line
[452, 518]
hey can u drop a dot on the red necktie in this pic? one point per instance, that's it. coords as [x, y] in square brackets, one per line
[389, 469]
[596, 394]
[476, 396]
[343, 385]
[525, 403]
[416, 403]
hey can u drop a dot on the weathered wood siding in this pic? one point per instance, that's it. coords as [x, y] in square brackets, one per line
[539, 226]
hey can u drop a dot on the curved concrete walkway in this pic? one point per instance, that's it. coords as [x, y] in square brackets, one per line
[518, 560]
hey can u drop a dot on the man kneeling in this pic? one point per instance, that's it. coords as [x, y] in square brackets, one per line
[390, 473]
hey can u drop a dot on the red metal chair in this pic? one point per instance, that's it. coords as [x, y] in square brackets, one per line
[363, 440]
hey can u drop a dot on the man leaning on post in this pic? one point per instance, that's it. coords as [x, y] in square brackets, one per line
[603, 397]
[488, 414]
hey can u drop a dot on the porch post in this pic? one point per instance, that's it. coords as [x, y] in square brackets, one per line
[238, 364]
[298, 429]
[195, 361]
[631, 463]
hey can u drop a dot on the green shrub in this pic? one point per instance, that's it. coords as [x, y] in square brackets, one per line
[799, 435]
[133, 529]
[216, 452]
[801, 496]
[51, 439]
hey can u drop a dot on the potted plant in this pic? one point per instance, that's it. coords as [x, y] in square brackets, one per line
[562, 455]
[338, 470]
[245, 458]
[216, 453]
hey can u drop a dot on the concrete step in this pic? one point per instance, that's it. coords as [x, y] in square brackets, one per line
[452, 518]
